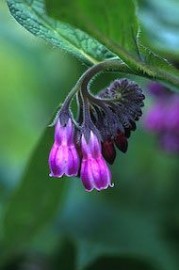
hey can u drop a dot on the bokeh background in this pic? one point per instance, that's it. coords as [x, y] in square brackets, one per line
[54, 224]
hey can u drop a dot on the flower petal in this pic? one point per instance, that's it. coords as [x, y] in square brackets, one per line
[73, 162]
[95, 174]
[57, 159]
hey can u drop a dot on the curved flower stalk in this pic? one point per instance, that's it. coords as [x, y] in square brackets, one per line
[83, 146]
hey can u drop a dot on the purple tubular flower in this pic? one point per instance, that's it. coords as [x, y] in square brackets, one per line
[64, 158]
[95, 173]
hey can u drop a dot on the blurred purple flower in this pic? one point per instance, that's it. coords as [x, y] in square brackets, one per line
[163, 117]
[158, 90]
[154, 119]
[170, 142]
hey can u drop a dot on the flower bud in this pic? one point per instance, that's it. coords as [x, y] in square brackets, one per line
[108, 151]
[121, 142]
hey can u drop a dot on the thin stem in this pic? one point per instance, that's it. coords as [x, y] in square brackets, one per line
[109, 65]
[82, 83]
[98, 102]
[86, 111]
[79, 102]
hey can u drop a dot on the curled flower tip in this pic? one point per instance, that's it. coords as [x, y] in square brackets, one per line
[64, 158]
[124, 109]
[94, 173]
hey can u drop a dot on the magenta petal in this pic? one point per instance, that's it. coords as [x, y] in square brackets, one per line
[69, 132]
[87, 180]
[73, 163]
[60, 133]
[63, 160]
[104, 179]
[56, 161]
[92, 147]
[95, 174]
[64, 134]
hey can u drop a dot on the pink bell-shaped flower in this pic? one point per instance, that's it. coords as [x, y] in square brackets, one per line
[64, 158]
[95, 173]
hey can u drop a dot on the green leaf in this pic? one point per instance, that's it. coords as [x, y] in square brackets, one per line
[114, 23]
[32, 15]
[35, 202]
[101, 18]
[114, 231]
[163, 70]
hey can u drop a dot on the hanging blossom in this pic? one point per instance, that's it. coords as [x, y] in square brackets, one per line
[162, 118]
[83, 146]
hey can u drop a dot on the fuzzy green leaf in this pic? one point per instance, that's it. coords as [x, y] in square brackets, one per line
[32, 15]
[101, 18]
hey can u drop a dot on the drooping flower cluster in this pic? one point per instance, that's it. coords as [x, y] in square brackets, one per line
[82, 147]
[163, 117]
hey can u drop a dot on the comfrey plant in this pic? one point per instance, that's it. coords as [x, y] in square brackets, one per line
[83, 146]
[163, 117]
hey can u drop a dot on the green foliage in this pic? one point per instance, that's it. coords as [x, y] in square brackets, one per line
[115, 20]
[34, 203]
[32, 15]
[115, 24]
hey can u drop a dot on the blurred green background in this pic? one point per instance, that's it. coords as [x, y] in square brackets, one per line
[54, 224]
